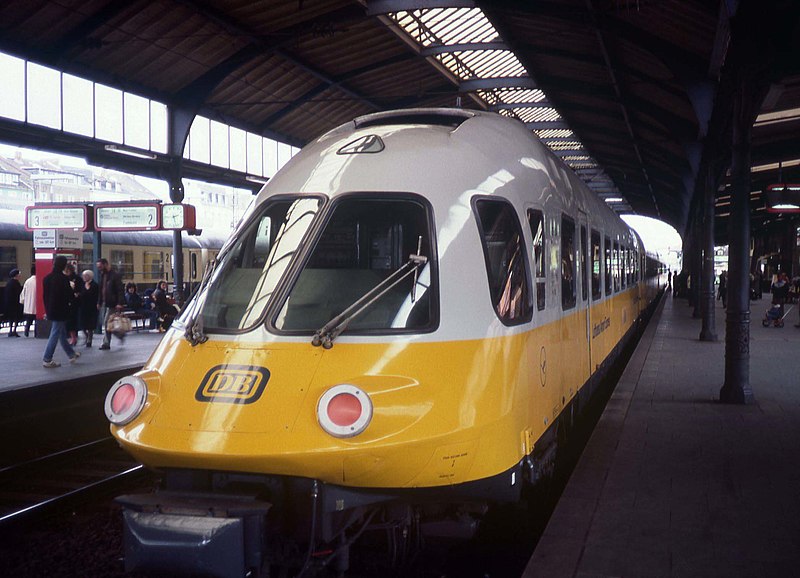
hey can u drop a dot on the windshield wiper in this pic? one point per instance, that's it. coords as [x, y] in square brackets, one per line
[333, 328]
[194, 333]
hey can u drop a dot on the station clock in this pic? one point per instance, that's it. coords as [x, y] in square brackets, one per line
[177, 217]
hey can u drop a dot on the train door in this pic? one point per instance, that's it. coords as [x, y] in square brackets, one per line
[584, 265]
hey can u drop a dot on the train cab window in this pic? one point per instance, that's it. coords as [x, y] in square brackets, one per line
[568, 285]
[596, 266]
[506, 266]
[366, 248]
[536, 223]
[584, 266]
[615, 266]
[250, 267]
[608, 265]
[623, 265]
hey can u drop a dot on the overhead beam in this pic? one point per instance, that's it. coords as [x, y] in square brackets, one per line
[492, 83]
[277, 48]
[546, 124]
[435, 49]
[381, 7]
[80, 35]
[319, 89]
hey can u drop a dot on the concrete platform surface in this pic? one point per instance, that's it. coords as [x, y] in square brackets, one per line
[673, 483]
[22, 359]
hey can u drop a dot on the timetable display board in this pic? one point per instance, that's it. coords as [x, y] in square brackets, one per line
[75, 217]
[127, 217]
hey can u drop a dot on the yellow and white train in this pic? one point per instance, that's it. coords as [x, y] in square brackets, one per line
[411, 310]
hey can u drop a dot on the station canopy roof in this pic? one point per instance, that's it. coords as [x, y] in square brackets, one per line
[635, 95]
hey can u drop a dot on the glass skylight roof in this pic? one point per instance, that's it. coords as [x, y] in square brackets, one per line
[446, 26]
[453, 37]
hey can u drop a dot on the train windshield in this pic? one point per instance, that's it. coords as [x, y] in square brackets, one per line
[251, 266]
[364, 243]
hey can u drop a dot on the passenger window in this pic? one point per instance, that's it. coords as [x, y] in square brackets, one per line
[596, 266]
[536, 223]
[506, 267]
[608, 266]
[623, 264]
[615, 266]
[584, 266]
[568, 285]
[8, 260]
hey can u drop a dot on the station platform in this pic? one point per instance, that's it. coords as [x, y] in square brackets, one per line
[672, 482]
[22, 359]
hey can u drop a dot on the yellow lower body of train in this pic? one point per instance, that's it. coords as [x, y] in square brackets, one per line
[453, 423]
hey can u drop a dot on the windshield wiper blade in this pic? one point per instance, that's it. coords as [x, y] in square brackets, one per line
[194, 333]
[333, 328]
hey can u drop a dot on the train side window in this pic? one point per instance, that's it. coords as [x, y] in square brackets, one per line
[193, 258]
[8, 260]
[596, 266]
[608, 265]
[623, 265]
[568, 285]
[615, 266]
[154, 265]
[122, 261]
[506, 262]
[536, 223]
[584, 266]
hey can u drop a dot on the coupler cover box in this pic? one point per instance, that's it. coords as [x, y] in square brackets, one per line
[194, 534]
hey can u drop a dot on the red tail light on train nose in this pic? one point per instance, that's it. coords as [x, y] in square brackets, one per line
[344, 411]
[125, 400]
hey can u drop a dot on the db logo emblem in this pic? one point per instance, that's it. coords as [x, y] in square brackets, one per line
[233, 384]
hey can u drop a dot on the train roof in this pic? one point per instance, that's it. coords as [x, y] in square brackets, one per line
[447, 156]
[11, 231]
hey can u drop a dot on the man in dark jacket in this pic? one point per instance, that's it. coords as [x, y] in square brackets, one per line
[111, 298]
[57, 295]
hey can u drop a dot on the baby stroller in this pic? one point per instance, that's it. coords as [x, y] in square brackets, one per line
[775, 315]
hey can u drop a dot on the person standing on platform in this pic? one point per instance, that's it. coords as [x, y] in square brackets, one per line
[28, 300]
[57, 295]
[111, 300]
[87, 306]
[13, 306]
[722, 291]
[72, 321]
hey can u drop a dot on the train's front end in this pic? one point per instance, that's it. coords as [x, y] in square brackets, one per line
[314, 376]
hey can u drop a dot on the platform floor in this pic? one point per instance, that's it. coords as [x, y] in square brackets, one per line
[22, 359]
[672, 483]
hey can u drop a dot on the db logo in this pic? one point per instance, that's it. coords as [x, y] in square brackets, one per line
[233, 384]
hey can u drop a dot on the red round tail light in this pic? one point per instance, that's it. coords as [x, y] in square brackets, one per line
[344, 411]
[125, 400]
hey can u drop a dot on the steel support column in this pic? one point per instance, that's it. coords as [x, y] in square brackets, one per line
[176, 196]
[709, 330]
[736, 388]
[696, 263]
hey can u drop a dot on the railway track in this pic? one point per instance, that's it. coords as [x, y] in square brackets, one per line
[63, 478]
